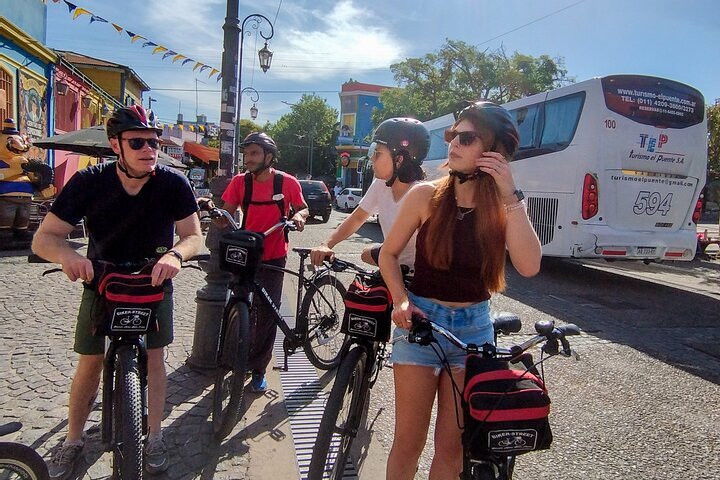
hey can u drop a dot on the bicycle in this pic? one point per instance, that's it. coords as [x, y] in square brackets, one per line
[319, 310]
[124, 394]
[18, 461]
[484, 462]
[358, 371]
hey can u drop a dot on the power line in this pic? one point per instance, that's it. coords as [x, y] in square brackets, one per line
[531, 22]
[259, 91]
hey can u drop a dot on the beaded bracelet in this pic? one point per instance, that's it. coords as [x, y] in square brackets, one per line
[515, 206]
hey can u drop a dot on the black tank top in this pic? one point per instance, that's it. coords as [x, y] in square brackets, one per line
[462, 282]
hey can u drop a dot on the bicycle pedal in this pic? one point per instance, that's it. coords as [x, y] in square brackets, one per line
[323, 340]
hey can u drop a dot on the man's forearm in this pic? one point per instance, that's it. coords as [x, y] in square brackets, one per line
[189, 246]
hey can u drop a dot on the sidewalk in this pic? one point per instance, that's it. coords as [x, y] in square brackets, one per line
[37, 363]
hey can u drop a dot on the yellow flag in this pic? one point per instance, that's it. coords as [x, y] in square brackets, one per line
[197, 65]
[80, 11]
[159, 49]
[213, 72]
[178, 57]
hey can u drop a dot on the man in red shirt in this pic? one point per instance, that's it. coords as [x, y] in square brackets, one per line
[261, 210]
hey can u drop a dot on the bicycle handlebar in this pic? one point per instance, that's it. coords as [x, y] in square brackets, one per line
[422, 330]
[215, 212]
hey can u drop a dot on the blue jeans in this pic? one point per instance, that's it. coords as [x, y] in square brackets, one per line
[470, 324]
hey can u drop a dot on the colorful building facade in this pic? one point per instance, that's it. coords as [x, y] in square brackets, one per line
[357, 101]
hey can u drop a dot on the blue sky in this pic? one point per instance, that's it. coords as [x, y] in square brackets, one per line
[319, 44]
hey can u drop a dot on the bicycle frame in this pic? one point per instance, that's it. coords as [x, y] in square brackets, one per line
[295, 337]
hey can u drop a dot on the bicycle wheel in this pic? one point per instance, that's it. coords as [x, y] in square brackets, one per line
[20, 462]
[127, 416]
[323, 309]
[232, 357]
[341, 420]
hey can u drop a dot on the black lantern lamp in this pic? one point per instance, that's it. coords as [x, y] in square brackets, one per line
[265, 58]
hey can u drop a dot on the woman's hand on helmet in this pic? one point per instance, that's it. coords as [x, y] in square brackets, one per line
[495, 165]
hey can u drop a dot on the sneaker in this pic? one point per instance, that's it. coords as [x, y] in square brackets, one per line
[61, 465]
[258, 384]
[156, 459]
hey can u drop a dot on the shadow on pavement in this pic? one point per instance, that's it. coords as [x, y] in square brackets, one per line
[675, 326]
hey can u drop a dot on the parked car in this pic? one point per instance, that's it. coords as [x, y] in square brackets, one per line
[317, 198]
[349, 198]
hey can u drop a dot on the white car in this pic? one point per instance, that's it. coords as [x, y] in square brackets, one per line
[349, 198]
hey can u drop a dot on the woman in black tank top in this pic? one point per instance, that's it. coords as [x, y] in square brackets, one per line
[466, 223]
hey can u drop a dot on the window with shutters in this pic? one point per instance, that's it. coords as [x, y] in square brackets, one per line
[6, 95]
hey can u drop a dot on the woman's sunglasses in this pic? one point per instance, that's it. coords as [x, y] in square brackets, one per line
[466, 138]
[138, 143]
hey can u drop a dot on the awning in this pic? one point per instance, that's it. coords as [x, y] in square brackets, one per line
[202, 153]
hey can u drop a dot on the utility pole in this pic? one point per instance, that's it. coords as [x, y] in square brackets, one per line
[211, 298]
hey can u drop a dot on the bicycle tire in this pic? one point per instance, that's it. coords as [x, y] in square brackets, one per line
[232, 359]
[21, 462]
[127, 413]
[322, 309]
[347, 391]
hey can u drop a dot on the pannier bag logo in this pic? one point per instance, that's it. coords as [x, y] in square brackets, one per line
[512, 440]
[360, 325]
[130, 319]
[236, 255]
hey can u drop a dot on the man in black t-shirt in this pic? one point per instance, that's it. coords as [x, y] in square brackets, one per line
[132, 210]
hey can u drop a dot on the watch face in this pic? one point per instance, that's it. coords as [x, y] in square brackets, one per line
[519, 194]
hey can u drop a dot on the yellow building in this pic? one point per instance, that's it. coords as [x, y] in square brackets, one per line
[120, 81]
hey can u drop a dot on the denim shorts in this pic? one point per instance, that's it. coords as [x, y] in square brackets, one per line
[470, 324]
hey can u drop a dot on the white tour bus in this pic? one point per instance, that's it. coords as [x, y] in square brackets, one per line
[611, 167]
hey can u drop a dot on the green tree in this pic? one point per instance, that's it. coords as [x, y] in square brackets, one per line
[311, 126]
[441, 82]
[248, 126]
[713, 118]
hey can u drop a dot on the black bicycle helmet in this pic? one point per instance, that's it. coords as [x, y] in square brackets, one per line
[262, 139]
[134, 117]
[497, 119]
[404, 134]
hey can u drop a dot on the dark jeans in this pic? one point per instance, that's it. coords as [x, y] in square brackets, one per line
[262, 320]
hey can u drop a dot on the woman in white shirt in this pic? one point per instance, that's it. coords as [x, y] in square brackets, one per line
[398, 148]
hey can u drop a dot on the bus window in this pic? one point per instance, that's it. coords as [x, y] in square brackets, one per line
[561, 120]
[526, 119]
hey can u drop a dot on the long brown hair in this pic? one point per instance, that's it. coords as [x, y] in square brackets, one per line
[490, 222]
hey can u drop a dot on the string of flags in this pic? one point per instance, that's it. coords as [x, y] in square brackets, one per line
[77, 12]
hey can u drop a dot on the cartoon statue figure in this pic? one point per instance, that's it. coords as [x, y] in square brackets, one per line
[19, 178]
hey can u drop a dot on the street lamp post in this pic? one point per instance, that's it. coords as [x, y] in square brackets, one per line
[210, 298]
[254, 97]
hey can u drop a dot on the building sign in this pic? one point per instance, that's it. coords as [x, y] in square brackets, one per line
[197, 174]
[174, 152]
[32, 113]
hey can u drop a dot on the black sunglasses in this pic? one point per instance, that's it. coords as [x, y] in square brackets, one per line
[138, 143]
[466, 138]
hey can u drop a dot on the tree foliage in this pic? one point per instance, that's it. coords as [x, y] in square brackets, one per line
[310, 122]
[713, 120]
[440, 82]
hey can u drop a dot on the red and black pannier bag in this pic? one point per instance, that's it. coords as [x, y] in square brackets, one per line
[127, 304]
[368, 306]
[507, 409]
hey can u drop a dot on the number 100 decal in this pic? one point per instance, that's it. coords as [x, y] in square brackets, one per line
[649, 203]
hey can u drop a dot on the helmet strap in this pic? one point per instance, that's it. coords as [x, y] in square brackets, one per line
[464, 177]
[125, 168]
[389, 182]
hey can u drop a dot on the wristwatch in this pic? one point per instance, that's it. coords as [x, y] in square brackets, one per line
[519, 194]
[175, 254]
